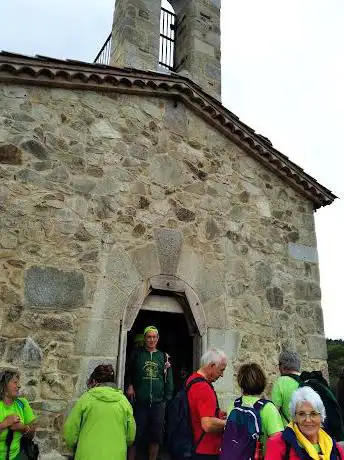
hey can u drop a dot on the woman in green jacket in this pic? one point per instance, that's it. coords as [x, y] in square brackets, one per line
[101, 424]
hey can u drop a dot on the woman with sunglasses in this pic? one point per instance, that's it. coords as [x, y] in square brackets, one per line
[304, 438]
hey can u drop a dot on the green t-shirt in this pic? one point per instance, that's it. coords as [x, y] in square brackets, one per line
[270, 417]
[282, 391]
[26, 415]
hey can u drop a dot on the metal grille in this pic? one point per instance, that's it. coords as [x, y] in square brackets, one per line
[167, 42]
[103, 57]
[167, 39]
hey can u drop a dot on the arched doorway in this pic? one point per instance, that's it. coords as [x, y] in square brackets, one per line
[174, 306]
[177, 330]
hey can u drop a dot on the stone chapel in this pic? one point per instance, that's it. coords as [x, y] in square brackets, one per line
[131, 196]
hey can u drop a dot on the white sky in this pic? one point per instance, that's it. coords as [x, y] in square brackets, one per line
[283, 74]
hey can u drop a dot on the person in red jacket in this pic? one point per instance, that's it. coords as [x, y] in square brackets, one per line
[207, 420]
[303, 438]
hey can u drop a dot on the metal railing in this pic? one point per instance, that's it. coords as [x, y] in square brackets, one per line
[167, 42]
[167, 39]
[103, 57]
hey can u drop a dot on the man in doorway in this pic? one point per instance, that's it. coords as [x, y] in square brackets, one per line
[150, 386]
[289, 364]
[207, 421]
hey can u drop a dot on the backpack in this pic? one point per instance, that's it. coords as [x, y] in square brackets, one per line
[242, 431]
[333, 422]
[179, 434]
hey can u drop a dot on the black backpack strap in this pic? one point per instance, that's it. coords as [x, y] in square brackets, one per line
[295, 377]
[287, 451]
[8, 441]
[238, 402]
[281, 411]
[258, 405]
[193, 381]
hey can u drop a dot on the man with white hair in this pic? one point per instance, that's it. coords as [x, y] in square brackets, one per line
[283, 388]
[207, 420]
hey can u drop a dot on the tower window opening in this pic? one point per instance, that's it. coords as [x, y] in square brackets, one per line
[167, 36]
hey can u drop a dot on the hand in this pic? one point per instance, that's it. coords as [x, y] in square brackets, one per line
[11, 420]
[222, 415]
[130, 392]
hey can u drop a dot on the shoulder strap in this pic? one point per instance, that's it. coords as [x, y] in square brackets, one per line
[193, 381]
[258, 405]
[281, 411]
[287, 451]
[295, 377]
[8, 441]
[238, 402]
[20, 403]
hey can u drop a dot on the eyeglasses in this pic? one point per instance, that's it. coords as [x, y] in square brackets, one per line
[312, 415]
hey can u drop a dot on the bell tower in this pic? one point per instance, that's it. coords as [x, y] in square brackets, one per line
[137, 34]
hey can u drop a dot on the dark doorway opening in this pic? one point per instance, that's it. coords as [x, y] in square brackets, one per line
[174, 339]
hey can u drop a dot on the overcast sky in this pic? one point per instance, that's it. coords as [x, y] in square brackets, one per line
[283, 74]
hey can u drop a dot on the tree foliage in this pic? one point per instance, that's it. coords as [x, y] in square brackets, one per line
[335, 350]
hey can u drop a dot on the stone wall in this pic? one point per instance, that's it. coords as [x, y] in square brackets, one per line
[101, 192]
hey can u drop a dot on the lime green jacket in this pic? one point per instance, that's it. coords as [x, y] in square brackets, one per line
[100, 425]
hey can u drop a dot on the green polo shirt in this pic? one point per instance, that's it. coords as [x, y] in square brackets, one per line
[26, 415]
[282, 391]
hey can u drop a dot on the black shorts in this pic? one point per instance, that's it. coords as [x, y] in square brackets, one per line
[150, 421]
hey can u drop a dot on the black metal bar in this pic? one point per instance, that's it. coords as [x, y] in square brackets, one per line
[167, 38]
[168, 24]
[103, 57]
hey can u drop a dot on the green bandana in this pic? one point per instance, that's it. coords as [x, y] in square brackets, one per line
[150, 329]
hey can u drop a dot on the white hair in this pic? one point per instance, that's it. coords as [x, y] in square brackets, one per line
[214, 355]
[307, 394]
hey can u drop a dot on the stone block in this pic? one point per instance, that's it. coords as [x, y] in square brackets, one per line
[210, 282]
[307, 290]
[275, 297]
[169, 244]
[204, 47]
[121, 270]
[53, 288]
[175, 118]
[302, 252]
[317, 348]
[215, 312]
[25, 352]
[54, 405]
[263, 274]
[167, 171]
[98, 337]
[227, 340]
[56, 385]
[104, 129]
[10, 154]
[35, 148]
[146, 260]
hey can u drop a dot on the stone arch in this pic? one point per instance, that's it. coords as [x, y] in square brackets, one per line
[167, 283]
